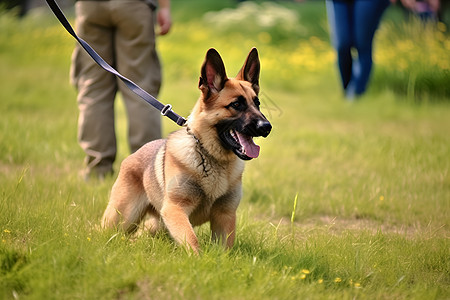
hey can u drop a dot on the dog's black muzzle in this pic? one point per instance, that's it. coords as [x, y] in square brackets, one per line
[238, 136]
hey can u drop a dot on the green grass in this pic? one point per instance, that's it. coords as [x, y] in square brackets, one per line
[371, 178]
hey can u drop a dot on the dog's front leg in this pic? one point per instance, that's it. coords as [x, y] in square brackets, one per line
[176, 219]
[223, 227]
[223, 217]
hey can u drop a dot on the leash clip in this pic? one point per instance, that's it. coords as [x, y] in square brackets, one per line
[165, 110]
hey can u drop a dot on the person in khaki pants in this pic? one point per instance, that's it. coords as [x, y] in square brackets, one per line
[122, 33]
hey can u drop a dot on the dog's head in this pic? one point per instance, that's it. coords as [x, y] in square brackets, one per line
[230, 107]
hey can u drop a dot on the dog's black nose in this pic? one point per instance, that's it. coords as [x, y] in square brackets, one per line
[263, 127]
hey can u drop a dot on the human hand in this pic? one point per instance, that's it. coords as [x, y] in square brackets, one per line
[164, 20]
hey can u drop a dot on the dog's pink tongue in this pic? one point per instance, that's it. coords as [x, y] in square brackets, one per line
[250, 148]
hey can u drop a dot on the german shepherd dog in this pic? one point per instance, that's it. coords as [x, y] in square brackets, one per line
[195, 175]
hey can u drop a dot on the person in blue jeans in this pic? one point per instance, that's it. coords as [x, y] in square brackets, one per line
[352, 26]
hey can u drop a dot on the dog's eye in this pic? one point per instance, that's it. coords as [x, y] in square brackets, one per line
[239, 104]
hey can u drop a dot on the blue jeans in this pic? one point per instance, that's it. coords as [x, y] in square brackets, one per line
[353, 25]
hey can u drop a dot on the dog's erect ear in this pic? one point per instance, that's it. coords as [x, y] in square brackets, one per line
[250, 70]
[213, 75]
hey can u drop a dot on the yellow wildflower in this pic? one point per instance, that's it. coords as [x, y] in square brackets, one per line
[305, 271]
[302, 276]
[7, 231]
[337, 279]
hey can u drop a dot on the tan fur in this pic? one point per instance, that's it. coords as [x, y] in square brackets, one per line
[189, 178]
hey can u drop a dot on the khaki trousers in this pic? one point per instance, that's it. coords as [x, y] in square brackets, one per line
[122, 33]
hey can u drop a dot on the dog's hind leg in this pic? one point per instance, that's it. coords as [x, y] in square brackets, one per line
[126, 208]
[152, 221]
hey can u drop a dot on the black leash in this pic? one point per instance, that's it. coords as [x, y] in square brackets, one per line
[166, 110]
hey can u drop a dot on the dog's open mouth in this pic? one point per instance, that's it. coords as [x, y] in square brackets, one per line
[241, 144]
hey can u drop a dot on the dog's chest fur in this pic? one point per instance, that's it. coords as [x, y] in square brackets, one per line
[214, 178]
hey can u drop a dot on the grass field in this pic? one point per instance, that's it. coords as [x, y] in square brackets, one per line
[347, 200]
